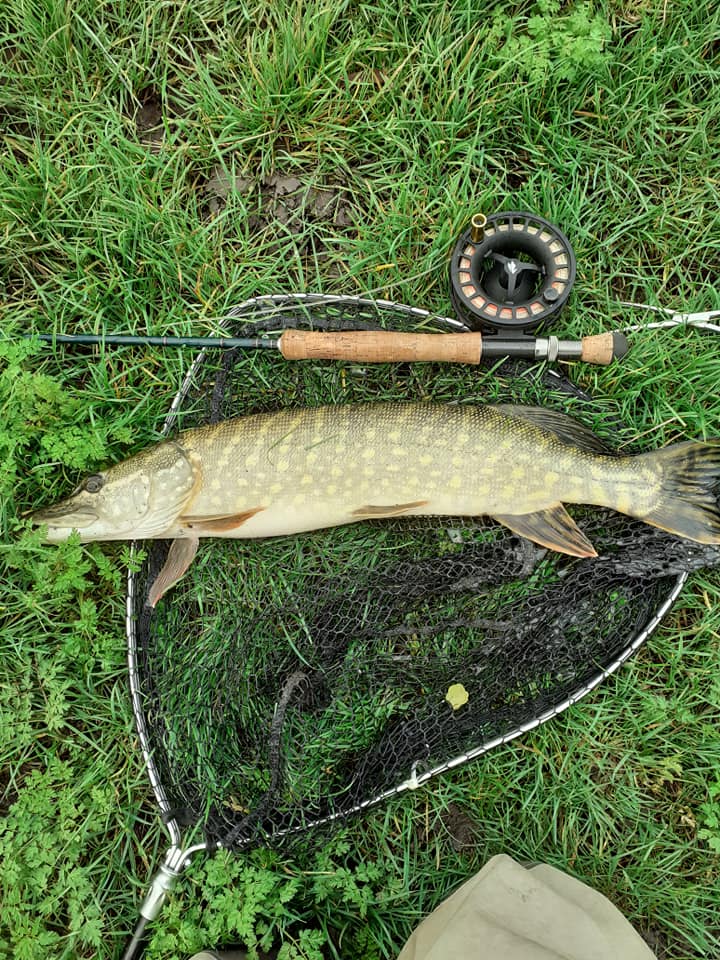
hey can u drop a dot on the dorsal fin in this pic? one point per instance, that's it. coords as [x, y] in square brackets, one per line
[565, 428]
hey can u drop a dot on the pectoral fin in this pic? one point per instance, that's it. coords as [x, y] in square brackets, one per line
[553, 528]
[375, 512]
[180, 556]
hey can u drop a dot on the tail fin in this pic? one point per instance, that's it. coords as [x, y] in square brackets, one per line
[690, 484]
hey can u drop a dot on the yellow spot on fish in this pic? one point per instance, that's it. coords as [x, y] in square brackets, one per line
[216, 484]
[306, 479]
[394, 436]
[368, 453]
[276, 488]
[370, 434]
[550, 477]
[426, 459]
[462, 439]
[517, 473]
[597, 493]
[282, 466]
[399, 452]
[250, 461]
[457, 461]
[336, 471]
[299, 498]
[368, 471]
[455, 482]
[330, 488]
[311, 458]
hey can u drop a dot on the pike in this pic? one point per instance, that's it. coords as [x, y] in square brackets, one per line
[298, 470]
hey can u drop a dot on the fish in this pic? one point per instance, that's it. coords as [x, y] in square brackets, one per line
[297, 470]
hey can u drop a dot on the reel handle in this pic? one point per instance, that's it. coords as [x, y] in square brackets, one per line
[383, 346]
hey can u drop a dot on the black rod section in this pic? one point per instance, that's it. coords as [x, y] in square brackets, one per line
[115, 339]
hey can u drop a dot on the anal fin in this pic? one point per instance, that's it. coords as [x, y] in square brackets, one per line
[553, 528]
[376, 512]
[180, 556]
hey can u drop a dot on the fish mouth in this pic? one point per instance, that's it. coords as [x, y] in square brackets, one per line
[65, 516]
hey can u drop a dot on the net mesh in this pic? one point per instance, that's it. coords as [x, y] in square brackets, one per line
[296, 680]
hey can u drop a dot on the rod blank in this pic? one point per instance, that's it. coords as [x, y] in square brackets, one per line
[127, 340]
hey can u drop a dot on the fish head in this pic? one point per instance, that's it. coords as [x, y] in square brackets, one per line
[141, 497]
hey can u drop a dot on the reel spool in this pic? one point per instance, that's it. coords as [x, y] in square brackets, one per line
[510, 272]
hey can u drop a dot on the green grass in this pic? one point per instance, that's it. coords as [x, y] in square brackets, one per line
[600, 116]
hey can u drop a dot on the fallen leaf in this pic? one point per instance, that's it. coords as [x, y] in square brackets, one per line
[457, 696]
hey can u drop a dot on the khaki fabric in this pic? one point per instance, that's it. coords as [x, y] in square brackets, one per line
[510, 912]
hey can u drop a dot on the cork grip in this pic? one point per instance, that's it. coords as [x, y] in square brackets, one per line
[603, 348]
[381, 346]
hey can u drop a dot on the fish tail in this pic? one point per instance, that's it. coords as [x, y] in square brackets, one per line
[687, 504]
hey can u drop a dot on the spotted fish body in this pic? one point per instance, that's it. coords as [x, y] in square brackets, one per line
[305, 469]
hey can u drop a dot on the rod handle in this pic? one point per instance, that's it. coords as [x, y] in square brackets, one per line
[381, 346]
[603, 348]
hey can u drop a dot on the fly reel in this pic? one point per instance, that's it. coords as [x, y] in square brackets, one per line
[510, 272]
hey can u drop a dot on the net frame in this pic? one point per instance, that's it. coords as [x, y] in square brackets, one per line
[179, 854]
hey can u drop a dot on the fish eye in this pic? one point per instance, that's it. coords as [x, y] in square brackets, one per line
[94, 483]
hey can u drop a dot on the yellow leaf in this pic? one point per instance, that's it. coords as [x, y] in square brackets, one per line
[457, 696]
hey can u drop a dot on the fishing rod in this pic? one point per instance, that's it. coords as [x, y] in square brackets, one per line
[380, 346]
